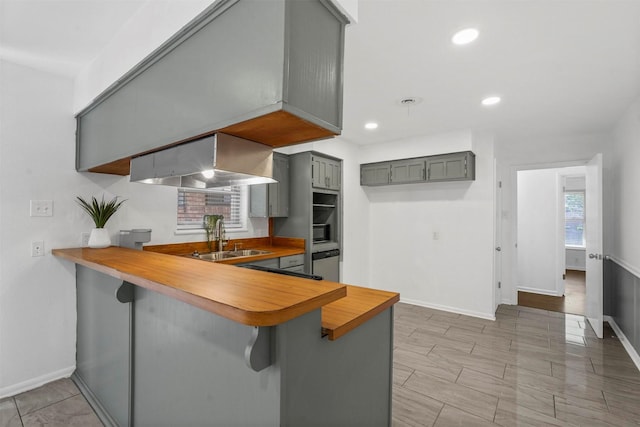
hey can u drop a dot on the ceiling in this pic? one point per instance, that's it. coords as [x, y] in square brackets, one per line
[562, 67]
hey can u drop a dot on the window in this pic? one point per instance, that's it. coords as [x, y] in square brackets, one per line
[574, 218]
[193, 205]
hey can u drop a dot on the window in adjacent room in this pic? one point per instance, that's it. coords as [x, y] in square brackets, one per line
[193, 205]
[574, 217]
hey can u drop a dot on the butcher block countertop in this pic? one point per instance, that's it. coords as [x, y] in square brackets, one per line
[250, 297]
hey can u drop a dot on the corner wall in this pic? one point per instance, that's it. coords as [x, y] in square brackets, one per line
[433, 242]
[622, 271]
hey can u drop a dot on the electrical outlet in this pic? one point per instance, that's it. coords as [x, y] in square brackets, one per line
[84, 237]
[41, 208]
[37, 248]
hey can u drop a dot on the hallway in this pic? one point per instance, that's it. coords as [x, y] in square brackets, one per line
[573, 302]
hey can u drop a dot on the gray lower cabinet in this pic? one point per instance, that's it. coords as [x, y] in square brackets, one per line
[458, 166]
[183, 366]
[103, 349]
[272, 200]
[270, 263]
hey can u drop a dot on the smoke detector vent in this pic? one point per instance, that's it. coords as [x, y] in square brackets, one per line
[409, 101]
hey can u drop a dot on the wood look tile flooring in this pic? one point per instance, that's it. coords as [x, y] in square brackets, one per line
[58, 403]
[530, 367]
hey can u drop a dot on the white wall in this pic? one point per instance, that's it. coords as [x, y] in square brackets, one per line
[539, 228]
[558, 151]
[37, 161]
[37, 304]
[433, 243]
[626, 185]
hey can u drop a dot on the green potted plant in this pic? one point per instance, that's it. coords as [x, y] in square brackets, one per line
[100, 212]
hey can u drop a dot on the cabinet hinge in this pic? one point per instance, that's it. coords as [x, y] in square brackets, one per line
[499, 285]
[499, 184]
[564, 277]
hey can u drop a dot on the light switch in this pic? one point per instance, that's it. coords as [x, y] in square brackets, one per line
[41, 208]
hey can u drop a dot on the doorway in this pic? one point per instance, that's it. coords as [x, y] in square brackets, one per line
[551, 239]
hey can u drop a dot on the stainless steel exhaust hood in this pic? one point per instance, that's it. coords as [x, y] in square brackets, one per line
[214, 161]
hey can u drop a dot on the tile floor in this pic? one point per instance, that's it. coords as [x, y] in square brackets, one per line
[58, 403]
[530, 367]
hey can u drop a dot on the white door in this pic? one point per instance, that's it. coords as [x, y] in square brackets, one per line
[497, 264]
[593, 211]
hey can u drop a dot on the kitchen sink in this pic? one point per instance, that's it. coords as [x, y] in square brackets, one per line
[248, 252]
[217, 256]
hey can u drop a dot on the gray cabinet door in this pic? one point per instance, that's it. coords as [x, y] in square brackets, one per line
[375, 174]
[326, 173]
[103, 345]
[406, 171]
[451, 167]
[272, 200]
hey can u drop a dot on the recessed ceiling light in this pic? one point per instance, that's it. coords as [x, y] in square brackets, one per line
[491, 100]
[465, 36]
[371, 125]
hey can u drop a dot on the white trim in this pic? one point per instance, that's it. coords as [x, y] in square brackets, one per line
[631, 269]
[14, 389]
[624, 340]
[575, 248]
[449, 309]
[539, 291]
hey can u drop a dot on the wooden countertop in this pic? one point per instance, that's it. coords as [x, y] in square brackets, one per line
[276, 246]
[246, 296]
[360, 305]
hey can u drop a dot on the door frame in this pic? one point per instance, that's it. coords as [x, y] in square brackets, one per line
[512, 265]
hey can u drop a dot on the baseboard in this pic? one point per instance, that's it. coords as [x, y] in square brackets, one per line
[633, 354]
[539, 291]
[449, 309]
[14, 389]
[95, 403]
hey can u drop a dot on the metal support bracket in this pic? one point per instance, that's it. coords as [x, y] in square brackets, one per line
[257, 354]
[124, 293]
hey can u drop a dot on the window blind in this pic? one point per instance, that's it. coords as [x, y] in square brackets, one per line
[193, 205]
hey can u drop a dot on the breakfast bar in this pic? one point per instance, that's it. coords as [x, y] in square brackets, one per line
[172, 340]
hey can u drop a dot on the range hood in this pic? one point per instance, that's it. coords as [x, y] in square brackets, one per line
[215, 161]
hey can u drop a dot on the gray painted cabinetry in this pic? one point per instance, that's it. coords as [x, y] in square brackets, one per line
[325, 172]
[272, 200]
[157, 361]
[252, 69]
[315, 198]
[444, 167]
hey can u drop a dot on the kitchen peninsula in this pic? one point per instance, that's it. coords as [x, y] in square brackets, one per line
[172, 340]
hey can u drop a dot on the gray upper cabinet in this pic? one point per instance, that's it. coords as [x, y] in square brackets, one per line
[266, 71]
[272, 200]
[375, 174]
[326, 173]
[451, 167]
[406, 171]
[444, 167]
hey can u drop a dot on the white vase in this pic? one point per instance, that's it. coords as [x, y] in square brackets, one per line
[99, 238]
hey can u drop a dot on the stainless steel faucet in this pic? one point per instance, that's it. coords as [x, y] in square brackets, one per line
[220, 234]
